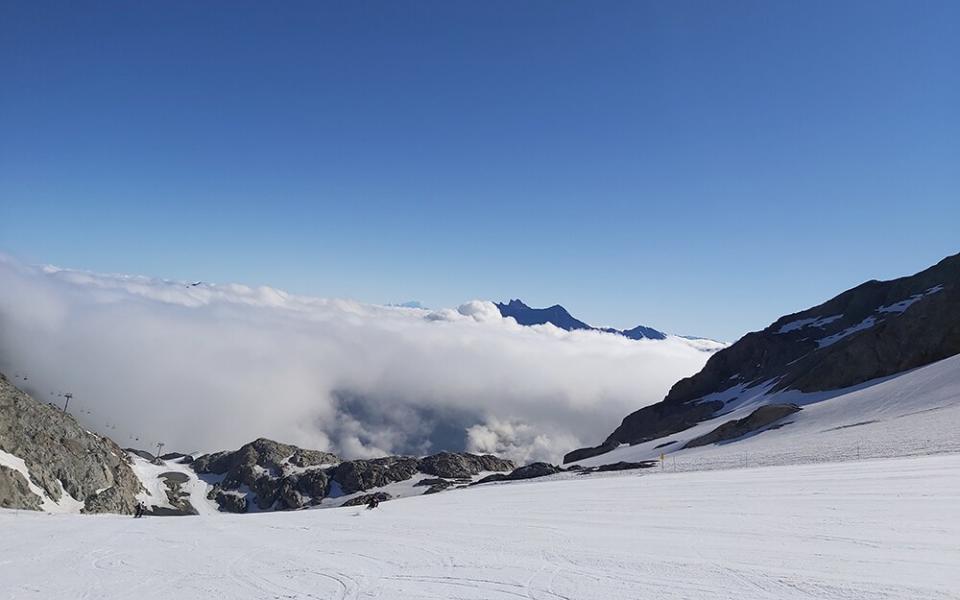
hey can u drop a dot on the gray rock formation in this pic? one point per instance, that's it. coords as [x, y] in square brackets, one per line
[142, 454]
[276, 476]
[531, 471]
[271, 471]
[357, 475]
[430, 481]
[442, 485]
[230, 501]
[263, 453]
[365, 499]
[624, 466]
[179, 499]
[876, 329]
[15, 491]
[756, 421]
[59, 452]
[183, 458]
[461, 465]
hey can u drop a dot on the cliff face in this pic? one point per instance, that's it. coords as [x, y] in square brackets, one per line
[44, 450]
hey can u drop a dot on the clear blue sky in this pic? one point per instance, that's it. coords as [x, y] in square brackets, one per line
[698, 167]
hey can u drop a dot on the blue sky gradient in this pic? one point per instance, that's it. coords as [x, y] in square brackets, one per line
[700, 168]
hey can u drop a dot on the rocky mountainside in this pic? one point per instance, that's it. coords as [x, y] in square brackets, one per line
[876, 329]
[267, 475]
[49, 462]
[558, 316]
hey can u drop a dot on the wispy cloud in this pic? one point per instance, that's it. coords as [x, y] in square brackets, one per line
[208, 366]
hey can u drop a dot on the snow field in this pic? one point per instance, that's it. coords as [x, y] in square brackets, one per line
[912, 413]
[885, 528]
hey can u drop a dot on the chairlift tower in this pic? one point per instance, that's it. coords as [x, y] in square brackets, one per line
[68, 396]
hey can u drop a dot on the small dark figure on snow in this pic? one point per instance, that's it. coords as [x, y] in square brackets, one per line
[373, 503]
[139, 510]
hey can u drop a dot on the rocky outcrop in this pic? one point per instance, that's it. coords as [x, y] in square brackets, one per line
[267, 475]
[585, 453]
[876, 329]
[358, 475]
[461, 465]
[230, 501]
[440, 486]
[263, 454]
[531, 471]
[737, 428]
[624, 466]
[61, 456]
[178, 498]
[429, 481]
[15, 491]
[366, 498]
[178, 456]
[280, 476]
[142, 454]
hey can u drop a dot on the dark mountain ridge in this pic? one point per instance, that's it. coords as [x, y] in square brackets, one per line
[876, 329]
[560, 317]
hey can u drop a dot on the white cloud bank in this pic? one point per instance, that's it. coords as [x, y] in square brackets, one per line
[210, 367]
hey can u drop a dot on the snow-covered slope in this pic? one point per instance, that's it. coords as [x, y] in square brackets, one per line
[874, 330]
[917, 412]
[870, 529]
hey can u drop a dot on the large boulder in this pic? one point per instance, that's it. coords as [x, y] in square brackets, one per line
[61, 456]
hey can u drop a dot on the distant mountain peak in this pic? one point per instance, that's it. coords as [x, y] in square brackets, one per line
[558, 316]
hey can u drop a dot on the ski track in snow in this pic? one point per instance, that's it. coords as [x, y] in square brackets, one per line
[877, 529]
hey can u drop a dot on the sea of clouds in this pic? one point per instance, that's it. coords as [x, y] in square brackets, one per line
[213, 366]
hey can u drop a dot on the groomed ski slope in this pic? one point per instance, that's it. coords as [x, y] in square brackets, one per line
[871, 529]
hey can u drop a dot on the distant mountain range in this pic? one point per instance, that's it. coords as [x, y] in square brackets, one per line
[877, 329]
[560, 317]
